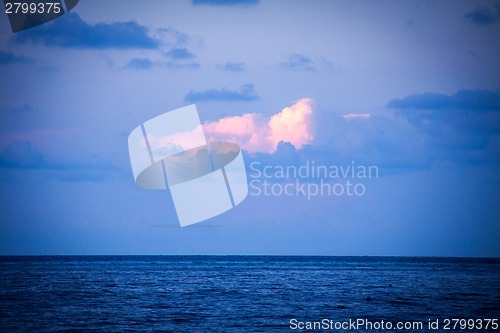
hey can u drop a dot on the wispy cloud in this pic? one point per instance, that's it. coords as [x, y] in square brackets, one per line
[301, 62]
[139, 64]
[298, 62]
[232, 67]
[482, 15]
[256, 133]
[225, 2]
[172, 37]
[246, 93]
[7, 58]
[71, 31]
[179, 54]
[21, 155]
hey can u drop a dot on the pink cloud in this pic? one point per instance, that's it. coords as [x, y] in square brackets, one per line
[256, 133]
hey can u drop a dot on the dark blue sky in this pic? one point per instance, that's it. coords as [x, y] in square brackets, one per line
[411, 87]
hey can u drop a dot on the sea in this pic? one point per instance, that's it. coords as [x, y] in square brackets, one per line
[248, 294]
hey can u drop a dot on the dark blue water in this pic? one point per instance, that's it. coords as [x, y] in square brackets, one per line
[239, 293]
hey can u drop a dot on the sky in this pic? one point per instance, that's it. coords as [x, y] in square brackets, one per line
[411, 88]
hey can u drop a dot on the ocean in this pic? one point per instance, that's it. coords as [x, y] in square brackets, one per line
[248, 294]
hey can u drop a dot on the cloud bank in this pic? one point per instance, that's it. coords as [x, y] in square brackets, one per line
[480, 99]
[258, 134]
[464, 126]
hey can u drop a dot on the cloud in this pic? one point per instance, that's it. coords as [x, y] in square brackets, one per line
[255, 133]
[356, 116]
[21, 154]
[389, 142]
[482, 16]
[463, 126]
[139, 64]
[146, 64]
[422, 133]
[170, 36]
[393, 145]
[7, 58]
[70, 31]
[245, 94]
[421, 102]
[232, 67]
[181, 58]
[225, 2]
[462, 99]
[300, 62]
[179, 54]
